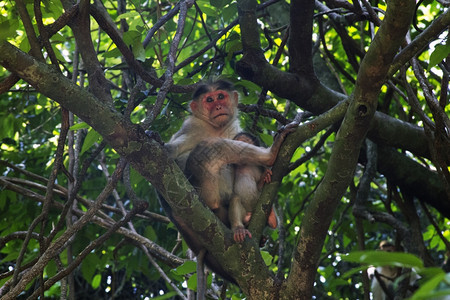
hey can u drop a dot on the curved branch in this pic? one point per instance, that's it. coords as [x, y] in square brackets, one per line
[81, 31]
[300, 50]
[312, 96]
[160, 23]
[292, 142]
[346, 148]
[104, 21]
[410, 177]
[58, 245]
[170, 62]
[420, 42]
[149, 159]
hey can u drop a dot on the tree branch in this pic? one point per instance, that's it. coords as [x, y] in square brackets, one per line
[344, 157]
[58, 245]
[149, 159]
[420, 42]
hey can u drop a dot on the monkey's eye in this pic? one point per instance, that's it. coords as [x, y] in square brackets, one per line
[209, 99]
[220, 96]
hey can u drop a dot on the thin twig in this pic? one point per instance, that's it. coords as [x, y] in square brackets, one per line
[170, 61]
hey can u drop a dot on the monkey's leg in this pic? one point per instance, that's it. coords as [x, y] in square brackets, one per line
[237, 213]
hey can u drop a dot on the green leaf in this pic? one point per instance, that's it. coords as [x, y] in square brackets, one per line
[209, 11]
[186, 268]
[96, 281]
[229, 12]
[192, 282]
[353, 271]
[138, 50]
[92, 137]
[88, 266]
[135, 178]
[428, 273]
[130, 37]
[51, 268]
[78, 126]
[130, 14]
[268, 258]
[232, 47]
[440, 52]
[150, 233]
[383, 258]
[112, 53]
[8, 29]
[426, 290]
[267, 139]
[217, 3]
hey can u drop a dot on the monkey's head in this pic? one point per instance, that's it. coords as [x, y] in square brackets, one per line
[386, 246]
[215, 103]
[247, 138]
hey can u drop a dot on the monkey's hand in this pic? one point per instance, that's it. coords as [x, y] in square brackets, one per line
[279, 138]
[285, 130]
[266, 177]
[154, 136]
[240, 233]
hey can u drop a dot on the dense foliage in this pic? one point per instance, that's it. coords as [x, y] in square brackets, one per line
[78, 221]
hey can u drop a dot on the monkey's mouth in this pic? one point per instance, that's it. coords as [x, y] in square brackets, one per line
[220, 115]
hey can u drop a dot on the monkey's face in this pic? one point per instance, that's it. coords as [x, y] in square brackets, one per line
[217, 107]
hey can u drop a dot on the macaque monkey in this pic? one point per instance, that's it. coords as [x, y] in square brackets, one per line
[209, 163]
[248, 183]
[203, 148]
[214, 115]
[384, 276]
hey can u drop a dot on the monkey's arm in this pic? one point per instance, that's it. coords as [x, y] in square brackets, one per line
[185, 139]
[249, 154]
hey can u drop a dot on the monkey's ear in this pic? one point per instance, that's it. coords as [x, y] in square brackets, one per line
[193, 105]
[236, 97]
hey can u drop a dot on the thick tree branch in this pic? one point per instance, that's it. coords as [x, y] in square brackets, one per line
[300, 43]
[410, 177]
[293, 141]
[344, 157]
[312, 96]
[149, 159]
[58, 245]
[420, 42]
[253, 65]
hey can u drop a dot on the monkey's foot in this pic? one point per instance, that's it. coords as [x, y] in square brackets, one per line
[155, 136]
[240, 233]
[272, 219]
